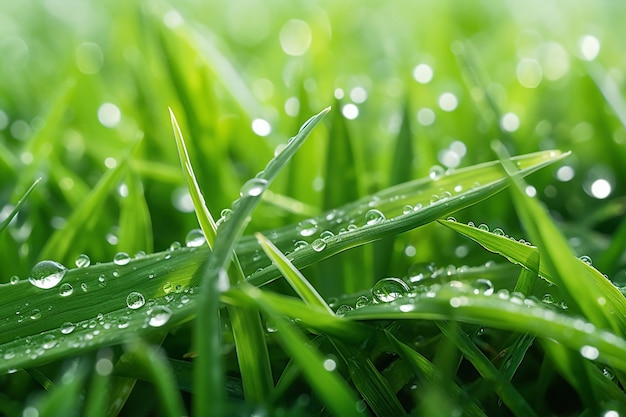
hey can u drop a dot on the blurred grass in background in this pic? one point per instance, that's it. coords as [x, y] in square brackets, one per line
[85, 87]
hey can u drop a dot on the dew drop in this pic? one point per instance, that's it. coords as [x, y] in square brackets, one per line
[35, 314]
[586, 259]
[123, 322]
[435, 172]
[253, 187]
[407, 209]
[343, 309]
[121, 258]
[14, 280]
[167, 287]
[482, 286]
[390, 289]
[66, 290]
[451, 219]
[158, 316]
[326, 234]
[362, 301]
[175, 245]
[49, 341]
[195, 238]
[483, 227]
[84, 287]
[47, 274]
[67, 327]
[590, 352]
[300, 244]
[373, 216]
[498, 232]
[307, 227]
[82, 261]
[135, 300]
[318, 245]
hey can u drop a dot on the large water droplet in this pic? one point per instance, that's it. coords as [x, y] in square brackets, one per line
[195, 238]
[374, 216]
[159, 315]
[65, 290]
[47, 274]
[318, 245]
[135, 300]
[67, 327]
[253, 187]
[307, 227]
[82, 261]
[390, 289]
[121, 258]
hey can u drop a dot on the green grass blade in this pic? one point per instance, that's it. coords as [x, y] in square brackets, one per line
[205, 219]
[348, 223]
[503, 311]
[215, 278]
[150, 358]
[135, 225]
[509, 395]
[64, 399]
[5, 222]
[298, 282]
[427, 371]
[328, 385]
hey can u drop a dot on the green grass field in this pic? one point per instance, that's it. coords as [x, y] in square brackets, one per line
[323, 208]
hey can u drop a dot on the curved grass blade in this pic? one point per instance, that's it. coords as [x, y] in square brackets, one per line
[428, 199]
[208, 377]
[504, 312]
[5, 222]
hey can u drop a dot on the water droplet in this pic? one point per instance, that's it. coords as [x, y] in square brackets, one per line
[608, 373]
[498, 232]
[586, 259]
[407, 209]
[49, 341]
[590, 352]
[253, 187]
[300, 244]
[67, 327]
[135, 300]
[390, 289]
[121, 258]
[373, 216]
[159, 315]
[362, 301]
[123, 322]
[483, 227]
[65, 290]
[451, 219]
[326, 234]
[167, 287]
[307, 227]
[435, 172]
[318, 245]
[195, 238]
[47, 274]
[84, 286]
[174, 246]
[482, 286]
[35, 314]
[343, 309]
[82, 261]
[15, 279]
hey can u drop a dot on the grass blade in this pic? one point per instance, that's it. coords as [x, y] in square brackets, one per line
[5, 222]
[298, 282]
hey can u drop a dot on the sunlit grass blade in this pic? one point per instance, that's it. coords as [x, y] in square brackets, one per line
[5, 222]
[298, 282]
[205, 219]
[355, 224]
[507, 392]
[427, 371]
[327, 384]
[215, 279]
[150, 358]
[135, 224]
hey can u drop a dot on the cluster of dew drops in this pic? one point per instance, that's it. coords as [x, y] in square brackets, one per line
[48, 274]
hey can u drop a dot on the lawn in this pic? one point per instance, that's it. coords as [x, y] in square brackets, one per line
[321, 208]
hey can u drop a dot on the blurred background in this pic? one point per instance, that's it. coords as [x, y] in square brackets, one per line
[85, 88]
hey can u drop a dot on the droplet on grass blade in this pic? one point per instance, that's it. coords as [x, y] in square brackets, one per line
[318, 245]
[158, 316]
[390, 289]
[121, 258]
[195, 238]
[135, 300]
[374, 216]
[47, 274]
[66, 290]
[82, 261]
[307, 227]
[253, 187]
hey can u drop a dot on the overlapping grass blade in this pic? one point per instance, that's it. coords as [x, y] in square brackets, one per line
[327, 384]
[209, 376]
[5, 222]
[428, 200]
[509, 395]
